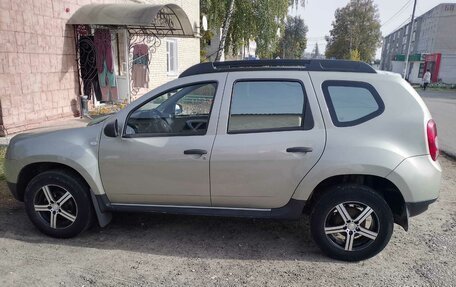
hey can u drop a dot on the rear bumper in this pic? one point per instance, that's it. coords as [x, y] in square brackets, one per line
[416, 208]
[418, 178]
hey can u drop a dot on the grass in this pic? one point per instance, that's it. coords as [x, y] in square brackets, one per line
[6, 199]
[2, 161]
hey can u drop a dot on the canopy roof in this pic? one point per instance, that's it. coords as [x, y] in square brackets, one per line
[161, 19]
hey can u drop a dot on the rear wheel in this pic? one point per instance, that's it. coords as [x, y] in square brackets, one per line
[351, 222]
[58, 204]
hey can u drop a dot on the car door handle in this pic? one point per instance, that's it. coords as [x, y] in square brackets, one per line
[300, 149]
[195, 151]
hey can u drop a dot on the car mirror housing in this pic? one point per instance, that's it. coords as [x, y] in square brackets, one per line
[112, 129]
[178, 109]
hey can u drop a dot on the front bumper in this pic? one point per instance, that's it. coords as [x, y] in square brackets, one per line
[13, 189]
[416, 208]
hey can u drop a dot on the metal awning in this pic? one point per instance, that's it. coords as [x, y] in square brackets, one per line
[164, 20]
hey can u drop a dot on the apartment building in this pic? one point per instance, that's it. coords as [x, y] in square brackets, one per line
[433, 46]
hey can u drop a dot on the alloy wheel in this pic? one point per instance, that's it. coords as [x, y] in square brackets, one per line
[56, 206]
[352, 226]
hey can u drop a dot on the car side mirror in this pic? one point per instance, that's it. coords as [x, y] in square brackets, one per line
[112, 129]
[178, 109]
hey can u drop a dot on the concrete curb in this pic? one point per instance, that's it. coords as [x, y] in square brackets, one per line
[449, 154]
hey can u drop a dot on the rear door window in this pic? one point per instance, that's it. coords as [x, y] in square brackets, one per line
[267, 105]
[351, 103]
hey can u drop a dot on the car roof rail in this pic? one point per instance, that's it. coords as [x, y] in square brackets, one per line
[282, 65]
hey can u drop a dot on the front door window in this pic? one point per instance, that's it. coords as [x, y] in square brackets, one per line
[182, 111]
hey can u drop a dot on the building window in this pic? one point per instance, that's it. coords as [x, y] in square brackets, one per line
[449, 7]
[171, 57]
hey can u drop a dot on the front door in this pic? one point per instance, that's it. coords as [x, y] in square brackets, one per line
[270, 135]
[163, 154]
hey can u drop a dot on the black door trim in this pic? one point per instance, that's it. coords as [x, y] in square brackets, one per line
[292, 210]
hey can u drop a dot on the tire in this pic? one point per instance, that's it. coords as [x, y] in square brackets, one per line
[362, 234]
[58, 204]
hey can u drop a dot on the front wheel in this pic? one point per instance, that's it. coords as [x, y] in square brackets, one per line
[351, 222]
[58, 204]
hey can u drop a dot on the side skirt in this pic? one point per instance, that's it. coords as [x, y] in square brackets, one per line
[292, 210]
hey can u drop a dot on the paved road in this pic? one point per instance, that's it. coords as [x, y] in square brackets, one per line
[443, 109]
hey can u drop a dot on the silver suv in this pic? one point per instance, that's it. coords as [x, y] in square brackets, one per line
[353, 147]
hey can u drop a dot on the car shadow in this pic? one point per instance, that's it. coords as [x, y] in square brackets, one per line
[181, 236]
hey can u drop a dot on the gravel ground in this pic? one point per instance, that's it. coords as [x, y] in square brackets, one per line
[160, 250]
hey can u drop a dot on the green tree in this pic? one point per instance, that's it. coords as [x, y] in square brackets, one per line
[244, 20]
[354, 55]
[356, 27]
[294, 41]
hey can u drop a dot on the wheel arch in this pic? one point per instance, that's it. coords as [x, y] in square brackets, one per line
[388, 190]
[29, 171]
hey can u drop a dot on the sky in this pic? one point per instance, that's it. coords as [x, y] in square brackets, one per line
[318, 16]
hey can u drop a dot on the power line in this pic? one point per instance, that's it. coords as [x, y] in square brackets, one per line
[397, 13]
[427, 17]
[406, 20]
[400, 26]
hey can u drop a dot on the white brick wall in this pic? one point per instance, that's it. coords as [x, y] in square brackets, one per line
[187, 56]
[188, 48]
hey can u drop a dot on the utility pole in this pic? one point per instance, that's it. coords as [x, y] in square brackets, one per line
[409, 41]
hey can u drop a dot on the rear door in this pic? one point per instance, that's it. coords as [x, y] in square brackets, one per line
[270, 134]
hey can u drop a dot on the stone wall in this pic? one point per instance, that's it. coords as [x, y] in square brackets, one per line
[38, 72]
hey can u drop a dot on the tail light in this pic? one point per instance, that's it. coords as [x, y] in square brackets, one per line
[432, 139]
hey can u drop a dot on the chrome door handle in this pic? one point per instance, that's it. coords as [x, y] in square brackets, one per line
[301, 149]
[195, 151]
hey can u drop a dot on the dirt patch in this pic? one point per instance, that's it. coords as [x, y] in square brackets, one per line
[6, 199]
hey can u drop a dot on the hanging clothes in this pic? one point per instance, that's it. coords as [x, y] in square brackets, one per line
[88, 66]
[105, 65]
[140, 68]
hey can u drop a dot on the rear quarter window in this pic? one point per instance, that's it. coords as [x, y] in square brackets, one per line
[351, 103]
